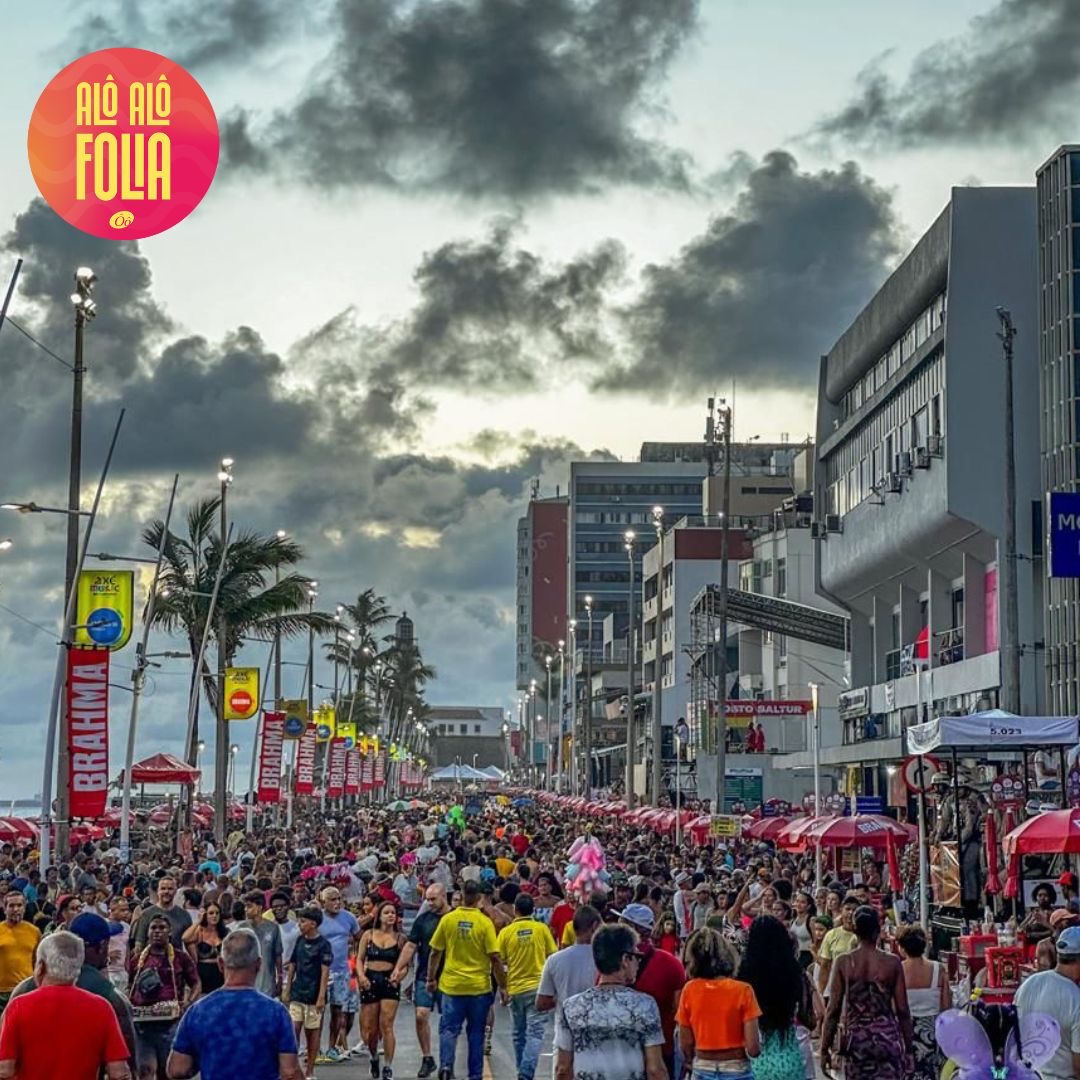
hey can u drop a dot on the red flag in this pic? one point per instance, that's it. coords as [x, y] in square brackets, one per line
[993, 857]
[1012, 877]
[352, 772]
[270, 750]
[335, 779]
[305, 762]
[894, 866]
[88, 730]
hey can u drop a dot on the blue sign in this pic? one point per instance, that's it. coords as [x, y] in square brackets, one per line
[324, 731]
[1064, 534]
[867, 804]
[294, 726]
[105, 626]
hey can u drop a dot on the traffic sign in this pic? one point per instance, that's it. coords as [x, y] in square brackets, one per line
[909, 772]
[240, 701]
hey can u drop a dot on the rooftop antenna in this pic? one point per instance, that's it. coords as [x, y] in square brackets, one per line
[535, 488]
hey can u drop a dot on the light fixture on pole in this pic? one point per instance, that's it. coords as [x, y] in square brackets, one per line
[628, 538]
[658, 663]
[575, 729]
[200, 746]
[562, 710]
[547, 723]
[815, 738]
[231, 779]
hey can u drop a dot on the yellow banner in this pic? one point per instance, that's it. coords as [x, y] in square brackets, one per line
[296, 718]
[324, 723]
[347, 730]
[106, 608]
[724, 825]
[241, 693]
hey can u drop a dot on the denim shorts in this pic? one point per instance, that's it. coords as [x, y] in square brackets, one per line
[421, 998]
[342, 993]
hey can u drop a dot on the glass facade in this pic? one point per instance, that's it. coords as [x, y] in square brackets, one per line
[1058, 188]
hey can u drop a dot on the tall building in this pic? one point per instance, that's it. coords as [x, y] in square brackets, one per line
[910, 477]
[1058, 190]
[470, 735]
[541, 585]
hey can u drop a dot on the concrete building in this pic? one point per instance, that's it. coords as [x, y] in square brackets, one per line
[910, 477]
[467, 732]
[541, 585]
[1058, 190]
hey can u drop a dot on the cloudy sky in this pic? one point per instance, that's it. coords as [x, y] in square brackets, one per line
[453, 244]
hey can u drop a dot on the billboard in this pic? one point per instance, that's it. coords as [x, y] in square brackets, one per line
[1064, 515]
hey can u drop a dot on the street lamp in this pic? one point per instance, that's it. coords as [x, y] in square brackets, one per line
[628, 538]
[231, 782]
[34, 508]
[221, 765]
[587, 739]
[200, 746]
[531, 725]
[547, 720]
[815, 738]
[658, 663]
[5, 544]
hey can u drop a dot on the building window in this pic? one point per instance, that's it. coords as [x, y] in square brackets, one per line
[476, 729]
[781, 577]
[464, 729]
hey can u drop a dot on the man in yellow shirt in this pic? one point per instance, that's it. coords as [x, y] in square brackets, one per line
[18, 946]
[524, 945]
[464, 958]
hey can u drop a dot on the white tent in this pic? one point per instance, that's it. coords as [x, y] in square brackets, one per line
[457, 774]
[493, 772]
[994, 729]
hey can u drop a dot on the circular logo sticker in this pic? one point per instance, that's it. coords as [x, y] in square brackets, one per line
[123, 143]
[105, 626]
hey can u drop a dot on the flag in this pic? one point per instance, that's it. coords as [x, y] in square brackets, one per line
[305, 763]
[335, 781]
[270, 751]
[352, 772]
[367, 772]
[88, 730]
[993, 857]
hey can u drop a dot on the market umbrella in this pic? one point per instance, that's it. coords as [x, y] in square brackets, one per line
[15, 830]
[993, 857]
[860, 830]
[417, 804]
[792, 837]
[767, 828]
[398, 806]
[1055, 832]
[523, 800]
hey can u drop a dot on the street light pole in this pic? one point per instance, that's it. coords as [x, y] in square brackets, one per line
[658, 665]
[221, 760]
[721, 653]
[575, 726]
[587, 740]
[547, 723]
[815, 739]
[85, 310]
[628, 537]
[562, 713]
[1010, 661]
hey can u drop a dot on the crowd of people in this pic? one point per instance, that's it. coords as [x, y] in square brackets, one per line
[266, 955]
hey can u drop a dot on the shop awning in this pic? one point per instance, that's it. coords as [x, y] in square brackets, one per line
[994, 729]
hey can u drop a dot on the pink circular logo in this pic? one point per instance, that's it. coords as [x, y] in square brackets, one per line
[123, 143]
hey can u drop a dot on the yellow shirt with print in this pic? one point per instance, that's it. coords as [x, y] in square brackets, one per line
[524, 945]
[569, 937]
[466, 937]
[17, 945]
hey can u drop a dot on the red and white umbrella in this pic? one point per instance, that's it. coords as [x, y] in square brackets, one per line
[792, 837]
[860, 830]
[1055, 832]
[767, 828]
[15, 830]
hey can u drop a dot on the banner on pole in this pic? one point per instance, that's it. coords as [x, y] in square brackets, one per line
[346, 729]
[106, 602]
[352, 772]
[380, 769]
[296, 717]
[335, 781]
[367, 772]
[305, 763]
[270, 752]
[88, 730]
[242, 698]
[324, 723]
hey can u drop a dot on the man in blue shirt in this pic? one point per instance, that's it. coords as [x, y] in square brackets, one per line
[341, 929]
[236, 1031]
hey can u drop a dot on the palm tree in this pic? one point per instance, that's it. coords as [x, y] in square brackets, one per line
[253, 596]
[357, 652]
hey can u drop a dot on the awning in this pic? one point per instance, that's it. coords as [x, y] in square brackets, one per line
[994, 729]
[162, 769]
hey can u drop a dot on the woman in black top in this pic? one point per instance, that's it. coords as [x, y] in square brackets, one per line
[377, 956]
[203, 943]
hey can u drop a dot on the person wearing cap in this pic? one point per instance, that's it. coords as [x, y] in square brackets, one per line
[18, 946]
[59, 1030]
[659, 974]
[307, 977]
[1060, 918]
[1070, 890]
[96, 933]
[1056, 994]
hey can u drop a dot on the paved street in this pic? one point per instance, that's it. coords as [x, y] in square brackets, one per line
[500, 1066]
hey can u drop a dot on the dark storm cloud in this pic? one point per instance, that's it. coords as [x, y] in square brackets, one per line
[1014, 74]
[199, 34]
[765, 289]
[486, 98]
[489, 313]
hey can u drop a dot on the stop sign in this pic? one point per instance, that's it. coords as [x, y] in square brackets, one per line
[240, 701]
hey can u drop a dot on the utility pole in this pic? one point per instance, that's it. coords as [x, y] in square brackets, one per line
[85, 310]
[721, 657]
[547, 721]
[562, 711]
[587, 726]
[658, 666]
[629, 545]
[222, 755]
[575, 726]
[1010, 661]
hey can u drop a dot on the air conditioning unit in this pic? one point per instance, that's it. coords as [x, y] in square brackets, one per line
[832, 523]
[894, 483]
[817, 530]
[922, 457]
[903, 463]
[935, 445]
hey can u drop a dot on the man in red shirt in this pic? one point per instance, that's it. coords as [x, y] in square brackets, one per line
[59, 1030]
[520, 843]
[659, 974]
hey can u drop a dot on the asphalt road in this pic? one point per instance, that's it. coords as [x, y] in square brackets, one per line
[499, 1066]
